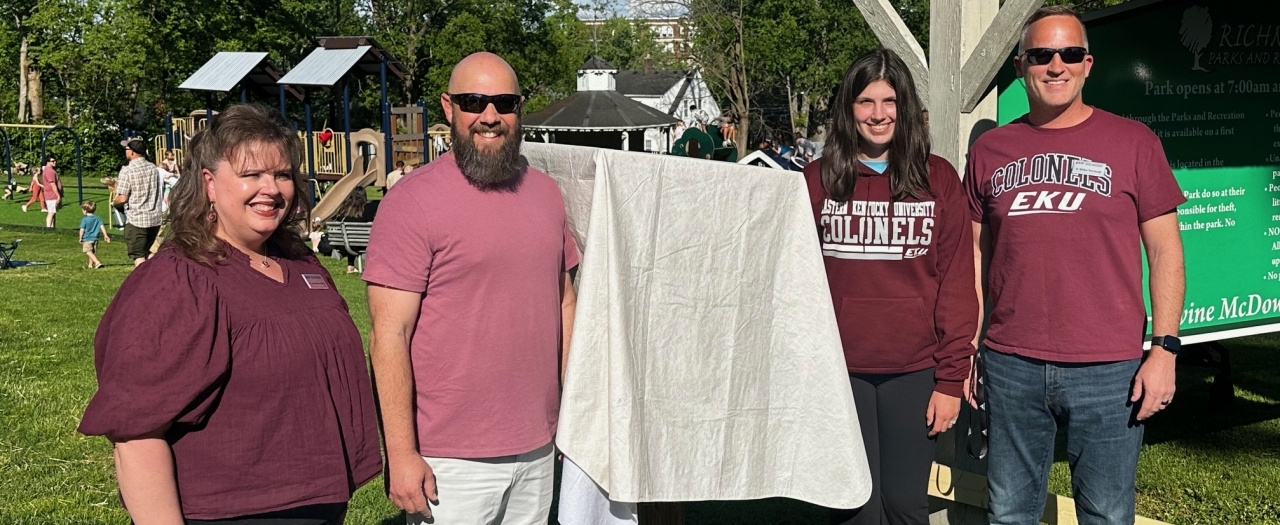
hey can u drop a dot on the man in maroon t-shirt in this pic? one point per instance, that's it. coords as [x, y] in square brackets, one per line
[1060, 199]
[472, 305]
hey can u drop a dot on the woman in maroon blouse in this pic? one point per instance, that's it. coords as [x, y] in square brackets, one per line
[230, 376]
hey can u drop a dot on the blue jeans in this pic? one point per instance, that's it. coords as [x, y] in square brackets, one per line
[1029, 400]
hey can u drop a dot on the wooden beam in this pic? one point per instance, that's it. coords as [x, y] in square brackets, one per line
[971, 489]
[893, 34]
[984, 62]
[944, 78]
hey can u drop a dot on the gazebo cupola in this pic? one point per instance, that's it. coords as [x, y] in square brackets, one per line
[596, 75]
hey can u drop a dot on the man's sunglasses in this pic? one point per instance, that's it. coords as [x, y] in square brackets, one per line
[476, 103]
[1039, 56]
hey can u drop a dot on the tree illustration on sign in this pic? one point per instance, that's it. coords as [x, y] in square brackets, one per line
[1197, 31]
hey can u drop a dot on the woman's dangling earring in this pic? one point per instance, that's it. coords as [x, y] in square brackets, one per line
[213, 215]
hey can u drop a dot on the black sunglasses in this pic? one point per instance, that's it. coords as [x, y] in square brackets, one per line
[1039, 56]
[476, 103]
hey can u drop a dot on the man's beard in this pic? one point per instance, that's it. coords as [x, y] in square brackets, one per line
[489, 171]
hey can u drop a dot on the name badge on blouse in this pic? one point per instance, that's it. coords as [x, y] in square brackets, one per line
[315, 281]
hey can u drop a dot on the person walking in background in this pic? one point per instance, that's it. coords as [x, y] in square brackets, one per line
[52, 191]
[472, 307]
[1063, 200]
[231, 378]
[898, 250]
[91, 228]
[140, 189]
[37, 191]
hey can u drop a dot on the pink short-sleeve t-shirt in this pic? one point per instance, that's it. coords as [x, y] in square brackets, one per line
[486, 349]
[1063, 207]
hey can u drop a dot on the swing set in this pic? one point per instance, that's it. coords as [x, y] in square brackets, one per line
[44, 138]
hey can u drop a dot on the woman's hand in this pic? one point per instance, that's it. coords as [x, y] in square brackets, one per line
[942, 414]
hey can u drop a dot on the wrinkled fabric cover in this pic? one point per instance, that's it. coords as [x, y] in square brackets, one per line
[705, 362]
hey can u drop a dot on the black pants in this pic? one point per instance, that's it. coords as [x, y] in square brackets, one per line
[139, 240]
[891, 411]
[321, 514]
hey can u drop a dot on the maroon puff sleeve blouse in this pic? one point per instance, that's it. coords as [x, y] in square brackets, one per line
[264, 383]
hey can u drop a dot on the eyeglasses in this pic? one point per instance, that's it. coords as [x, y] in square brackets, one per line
[1039, 56]
[476, 103]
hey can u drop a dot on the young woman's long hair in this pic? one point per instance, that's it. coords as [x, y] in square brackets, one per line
[908, 152]
[231, 134]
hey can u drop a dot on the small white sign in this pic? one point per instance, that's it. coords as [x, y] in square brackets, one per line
[1089, 168]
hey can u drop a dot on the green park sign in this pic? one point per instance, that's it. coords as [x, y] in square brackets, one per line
[1205, 76]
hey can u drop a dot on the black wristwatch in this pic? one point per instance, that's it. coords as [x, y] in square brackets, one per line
[1170, 343]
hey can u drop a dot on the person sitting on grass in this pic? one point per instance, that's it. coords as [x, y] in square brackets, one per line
[90, 227]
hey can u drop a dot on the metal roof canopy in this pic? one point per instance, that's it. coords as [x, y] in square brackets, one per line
[228, 68]
[596, 111]
[338, 55]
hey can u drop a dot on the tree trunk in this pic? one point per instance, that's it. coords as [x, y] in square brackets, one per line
[791, 107]
[23, 66]
[35, 94]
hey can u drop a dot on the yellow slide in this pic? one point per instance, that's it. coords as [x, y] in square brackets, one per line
[358, 177]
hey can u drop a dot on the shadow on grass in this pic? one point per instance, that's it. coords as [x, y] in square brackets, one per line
[1195, 422]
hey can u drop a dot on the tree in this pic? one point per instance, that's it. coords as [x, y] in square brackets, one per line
[1196, 31]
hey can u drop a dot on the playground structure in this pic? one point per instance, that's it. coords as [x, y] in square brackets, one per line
[698, 144]
[337, 161]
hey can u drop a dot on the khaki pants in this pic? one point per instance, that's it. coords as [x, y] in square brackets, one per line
[508, 490]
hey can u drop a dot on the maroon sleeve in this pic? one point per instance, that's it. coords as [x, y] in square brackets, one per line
[956, 313]
[161, 352]
[1158, 191]
[399, 254]
[977, 200]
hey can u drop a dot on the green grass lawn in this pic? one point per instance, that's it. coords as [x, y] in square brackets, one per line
[1199, 465]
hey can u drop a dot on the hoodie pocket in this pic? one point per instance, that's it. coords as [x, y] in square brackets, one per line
[884, 333]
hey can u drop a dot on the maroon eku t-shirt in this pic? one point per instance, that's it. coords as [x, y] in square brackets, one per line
[1064, 206]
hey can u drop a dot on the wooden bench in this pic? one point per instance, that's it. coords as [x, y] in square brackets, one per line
[350, 238]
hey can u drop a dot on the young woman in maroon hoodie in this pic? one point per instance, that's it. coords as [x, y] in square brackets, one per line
[898, 248]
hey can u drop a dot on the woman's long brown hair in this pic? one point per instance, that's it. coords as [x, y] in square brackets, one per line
[230, 136]
[908, 152]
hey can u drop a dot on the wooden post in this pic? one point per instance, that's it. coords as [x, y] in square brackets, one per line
[661, 513]
[944, 78]
[893, 34]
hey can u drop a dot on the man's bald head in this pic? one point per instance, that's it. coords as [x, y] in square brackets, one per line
[484, 73]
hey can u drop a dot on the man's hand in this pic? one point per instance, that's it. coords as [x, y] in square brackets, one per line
[942, 414]
[1155, 383]
[413, 484]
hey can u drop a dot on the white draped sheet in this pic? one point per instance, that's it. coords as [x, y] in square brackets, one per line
[705, 362]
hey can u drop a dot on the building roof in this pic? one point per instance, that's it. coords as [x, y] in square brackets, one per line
[595, 62]
[336, 57]
[596, 111]
[228, 68]
[651, 84]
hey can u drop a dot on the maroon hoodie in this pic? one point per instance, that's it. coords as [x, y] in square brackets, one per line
[901, 274]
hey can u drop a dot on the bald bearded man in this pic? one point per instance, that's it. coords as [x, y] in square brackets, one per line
[472, 305]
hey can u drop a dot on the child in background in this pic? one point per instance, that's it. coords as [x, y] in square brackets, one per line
[90, 228]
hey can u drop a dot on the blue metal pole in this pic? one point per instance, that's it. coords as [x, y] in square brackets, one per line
[346, 117]
[426, 138]
[244, 93]
[208, 109]
[168, 131]
[386, 117]
[8, 158]
[311, 172]
[282, 111]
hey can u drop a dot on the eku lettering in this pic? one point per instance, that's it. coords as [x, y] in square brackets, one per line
[1062, 169]
[876, 229]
